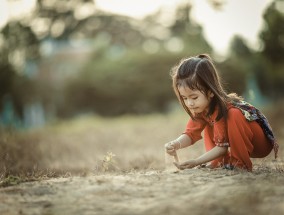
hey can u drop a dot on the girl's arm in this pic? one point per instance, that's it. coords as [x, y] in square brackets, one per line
[191, 135]
[214, 153]
[181, 142]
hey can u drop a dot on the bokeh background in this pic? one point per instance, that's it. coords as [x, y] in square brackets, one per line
[85, 84]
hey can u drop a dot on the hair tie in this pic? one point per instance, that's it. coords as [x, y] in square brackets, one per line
[202, 56]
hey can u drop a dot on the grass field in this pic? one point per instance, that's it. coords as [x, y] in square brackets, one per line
[91, 144]
[94, 165]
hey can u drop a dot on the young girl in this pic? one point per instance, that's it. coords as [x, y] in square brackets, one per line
[234, 131]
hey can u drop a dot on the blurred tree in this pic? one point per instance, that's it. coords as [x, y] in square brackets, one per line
[232, 76]
[59, 19]
[7, 75]
[79, 19]
[237, 66]
[131, 56]
[134, 83]
[136, 79]
[270, 73]
[239, 48]
[217, 4]
[190, 32]
[19, 44]
[272, 35]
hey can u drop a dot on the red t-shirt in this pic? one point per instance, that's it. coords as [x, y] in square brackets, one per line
[217, 128]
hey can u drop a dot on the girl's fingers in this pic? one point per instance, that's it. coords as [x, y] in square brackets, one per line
[188, 167]
[170, 147]
[170, 151]
[183, 166]
[177, 165]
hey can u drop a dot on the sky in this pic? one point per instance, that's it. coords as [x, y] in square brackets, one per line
[242, 17]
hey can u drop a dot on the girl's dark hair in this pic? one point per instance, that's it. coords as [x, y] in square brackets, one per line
[199, 73]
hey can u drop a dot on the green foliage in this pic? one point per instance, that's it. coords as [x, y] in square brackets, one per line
[189, 32]
[239, 48]
[128, 71]
[232, 76]
[20, 44]
[10, 181]
[270, 78]
[120, 72]
[109, 163]
[119, 80]
[7, 75]
[136, 83]
[270, 72]
[272, 35]
[266, 65]
[16, 87]
[236, 68]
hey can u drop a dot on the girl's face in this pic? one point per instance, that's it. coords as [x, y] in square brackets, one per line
[195, 100]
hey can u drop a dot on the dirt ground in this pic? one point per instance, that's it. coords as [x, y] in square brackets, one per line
[194, 191]
[123, 162]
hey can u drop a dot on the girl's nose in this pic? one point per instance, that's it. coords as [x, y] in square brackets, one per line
[189, 103]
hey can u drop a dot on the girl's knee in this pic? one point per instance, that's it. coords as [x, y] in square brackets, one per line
[236, 120]
[235, 114]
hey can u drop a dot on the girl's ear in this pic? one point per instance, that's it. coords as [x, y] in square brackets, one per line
[210, 94]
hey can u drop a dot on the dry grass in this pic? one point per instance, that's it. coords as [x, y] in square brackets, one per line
[92, 144]
[84, 145]
[123, 160]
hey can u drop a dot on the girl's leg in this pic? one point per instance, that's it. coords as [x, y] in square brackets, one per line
[209, 144]
[246, 140]
[240, 138]
[262, 146]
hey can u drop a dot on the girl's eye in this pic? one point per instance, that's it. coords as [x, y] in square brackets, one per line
[194, 98]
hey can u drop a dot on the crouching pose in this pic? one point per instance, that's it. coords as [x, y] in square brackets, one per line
[234, 130]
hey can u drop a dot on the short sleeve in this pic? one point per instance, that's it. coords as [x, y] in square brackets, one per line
[194, 129]
[220, 133]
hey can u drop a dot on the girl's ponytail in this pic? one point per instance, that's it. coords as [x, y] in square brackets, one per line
[204, 56]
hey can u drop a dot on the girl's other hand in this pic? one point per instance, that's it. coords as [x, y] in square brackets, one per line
[170, 149]
[186, 165]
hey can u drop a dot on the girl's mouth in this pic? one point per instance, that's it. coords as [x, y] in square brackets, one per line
[194, 110]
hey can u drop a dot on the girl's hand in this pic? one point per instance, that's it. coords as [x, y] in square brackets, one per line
[186, 165]
[170, 148]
